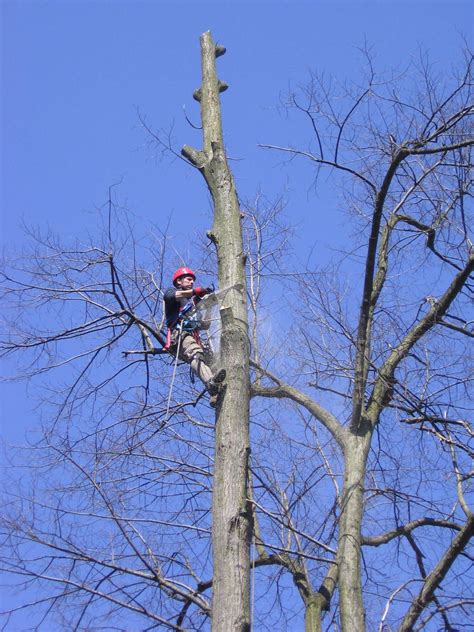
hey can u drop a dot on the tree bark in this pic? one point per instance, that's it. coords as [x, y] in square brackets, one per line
[350, 586]
[231, 515]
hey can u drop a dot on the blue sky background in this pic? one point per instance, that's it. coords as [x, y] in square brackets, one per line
[74, 73]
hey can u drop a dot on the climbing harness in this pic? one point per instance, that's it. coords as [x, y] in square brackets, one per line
[186, 321]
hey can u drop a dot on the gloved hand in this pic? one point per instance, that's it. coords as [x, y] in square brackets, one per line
[202, 291]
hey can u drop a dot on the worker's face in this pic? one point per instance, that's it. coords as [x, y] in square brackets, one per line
[186, 282]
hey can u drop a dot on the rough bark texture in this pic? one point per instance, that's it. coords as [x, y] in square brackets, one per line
[352, 608]
[231, 527]
[319, 601]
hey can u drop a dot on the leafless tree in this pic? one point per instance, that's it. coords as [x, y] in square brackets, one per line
[389, 384]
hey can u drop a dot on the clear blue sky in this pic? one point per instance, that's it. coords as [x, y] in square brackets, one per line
[74, 73]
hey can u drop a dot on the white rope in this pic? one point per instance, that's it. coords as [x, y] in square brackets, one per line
[174, 374]
[252, 583]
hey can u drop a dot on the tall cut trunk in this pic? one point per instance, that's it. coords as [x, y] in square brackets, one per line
[231, 518]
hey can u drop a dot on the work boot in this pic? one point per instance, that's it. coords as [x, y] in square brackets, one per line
[215, 383]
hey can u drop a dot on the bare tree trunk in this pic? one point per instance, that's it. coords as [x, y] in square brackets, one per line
[314, 607]
[350, 587]
[312, 617]
[231, 528]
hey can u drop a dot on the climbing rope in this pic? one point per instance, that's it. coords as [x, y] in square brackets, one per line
[252, 581]
[170, 392]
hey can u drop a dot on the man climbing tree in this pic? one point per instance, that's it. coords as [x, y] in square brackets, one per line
[183, 338]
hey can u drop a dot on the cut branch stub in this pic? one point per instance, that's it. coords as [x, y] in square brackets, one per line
[197, 158]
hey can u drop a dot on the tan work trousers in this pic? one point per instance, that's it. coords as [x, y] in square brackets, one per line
[191, 352]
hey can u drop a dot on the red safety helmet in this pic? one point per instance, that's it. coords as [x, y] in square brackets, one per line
[180, 272]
